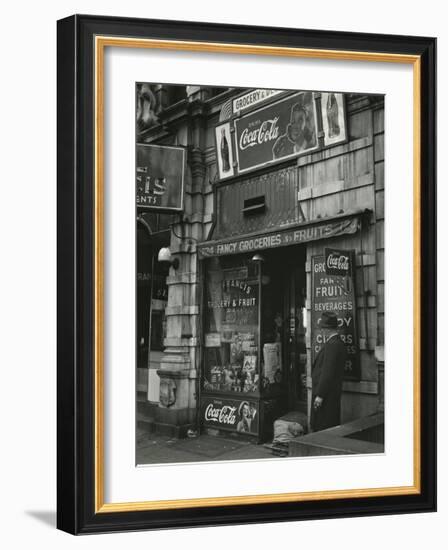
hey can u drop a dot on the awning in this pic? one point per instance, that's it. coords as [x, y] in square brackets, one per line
[314, 230]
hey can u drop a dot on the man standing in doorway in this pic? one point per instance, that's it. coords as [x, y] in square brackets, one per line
[327, 376]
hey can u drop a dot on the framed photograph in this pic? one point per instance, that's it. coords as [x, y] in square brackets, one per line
[246, 274]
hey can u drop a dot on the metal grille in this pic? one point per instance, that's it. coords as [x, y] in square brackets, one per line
[280, 189]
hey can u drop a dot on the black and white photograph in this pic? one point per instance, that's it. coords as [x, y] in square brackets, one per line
[222, 314]
[259, 273]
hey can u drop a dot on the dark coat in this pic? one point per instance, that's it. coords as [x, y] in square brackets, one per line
[327, 376]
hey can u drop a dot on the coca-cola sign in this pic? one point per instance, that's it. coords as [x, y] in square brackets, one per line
[238, 415]
[221, 415]
[335, 292]
[267, 131]
[224, 151]
[283, 129]
[337, 262]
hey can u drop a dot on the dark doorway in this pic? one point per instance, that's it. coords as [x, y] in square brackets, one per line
[152, 294]
[145, 266]
[284, 320]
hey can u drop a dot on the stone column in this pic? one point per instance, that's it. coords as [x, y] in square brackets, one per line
[177, 411]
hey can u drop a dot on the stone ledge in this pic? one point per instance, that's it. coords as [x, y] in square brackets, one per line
[183, 278]
[182, 310]
[178, 374]
[189, 342]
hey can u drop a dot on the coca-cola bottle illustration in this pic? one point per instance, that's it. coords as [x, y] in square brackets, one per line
[333, 116]
[224, 152]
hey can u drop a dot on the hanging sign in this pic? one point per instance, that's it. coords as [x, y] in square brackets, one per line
[279, 131]
[337, 294]
[160, 172]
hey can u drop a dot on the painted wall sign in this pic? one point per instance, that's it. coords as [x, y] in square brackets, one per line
[296, 235]
[337, 294]
[276, 132]
[333, 118]
[160, 173]
[253, 98]
[337, 262]
[238, 415]
[224, 151]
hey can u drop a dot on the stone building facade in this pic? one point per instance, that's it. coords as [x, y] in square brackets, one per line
[266, 226]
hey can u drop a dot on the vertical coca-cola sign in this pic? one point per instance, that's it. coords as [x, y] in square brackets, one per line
[224, 151]
[334, 290]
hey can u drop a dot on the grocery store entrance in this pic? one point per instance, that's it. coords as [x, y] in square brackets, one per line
[254, 351]
[284, 322]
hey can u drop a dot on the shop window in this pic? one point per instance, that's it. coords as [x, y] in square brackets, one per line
[254, 351]
[231, 335]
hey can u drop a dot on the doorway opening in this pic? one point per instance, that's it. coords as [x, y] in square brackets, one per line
[151, 301]
[284, 325]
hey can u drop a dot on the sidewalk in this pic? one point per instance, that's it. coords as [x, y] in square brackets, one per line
[157, 449]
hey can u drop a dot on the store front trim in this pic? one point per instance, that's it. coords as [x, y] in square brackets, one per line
[347, 223]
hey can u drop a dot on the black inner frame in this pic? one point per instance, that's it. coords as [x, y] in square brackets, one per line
[75, 383]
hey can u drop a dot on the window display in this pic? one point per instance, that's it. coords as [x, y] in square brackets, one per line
[231, 335]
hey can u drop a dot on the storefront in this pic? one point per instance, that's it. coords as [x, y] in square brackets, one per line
[256, 322]
[274, 263]
[283, 220]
